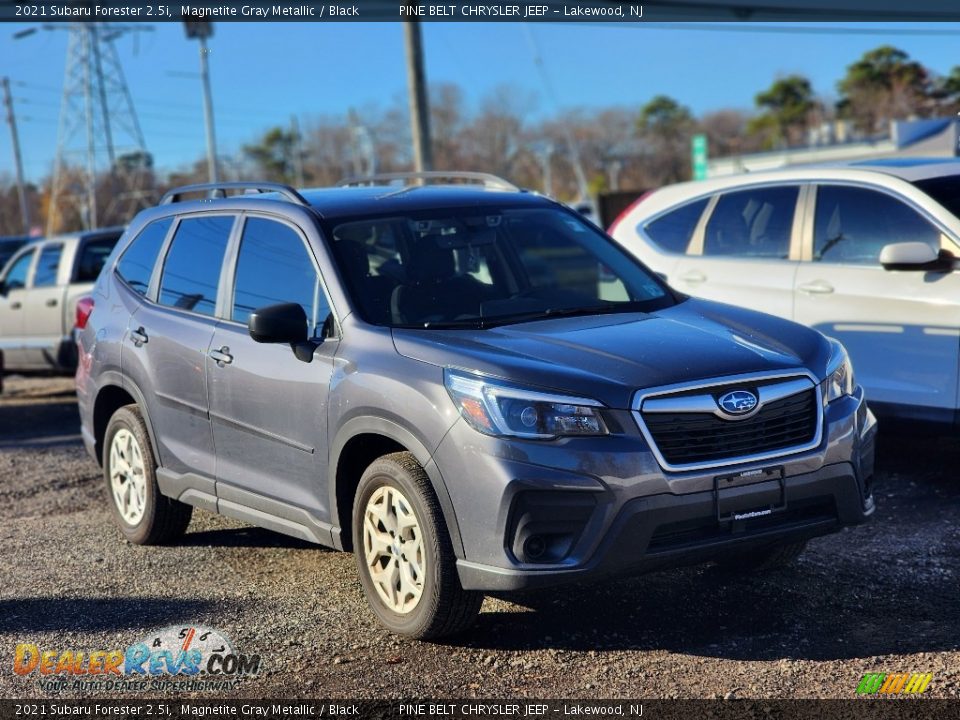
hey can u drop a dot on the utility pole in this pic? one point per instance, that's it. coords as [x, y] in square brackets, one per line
[297, 151]
[18, 162]
[546, 165]
[417, 88]
[201, 30]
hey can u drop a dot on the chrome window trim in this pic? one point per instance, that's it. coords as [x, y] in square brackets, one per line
[651, 393]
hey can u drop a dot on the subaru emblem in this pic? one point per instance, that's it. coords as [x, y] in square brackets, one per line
[737, 402]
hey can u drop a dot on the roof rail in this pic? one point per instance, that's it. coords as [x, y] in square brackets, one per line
[485, 179]
[219, 190]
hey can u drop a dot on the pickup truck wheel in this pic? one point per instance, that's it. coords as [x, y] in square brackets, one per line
[144, 515]
[406, 562]
[769, 558]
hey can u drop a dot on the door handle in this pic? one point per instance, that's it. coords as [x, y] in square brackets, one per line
[15, 305]
[222, 356]
[52, 302]
[818, 287]
[694, 276]
[139, 336]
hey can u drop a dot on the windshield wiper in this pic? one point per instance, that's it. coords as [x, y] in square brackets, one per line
[551, 313]
[480, 323]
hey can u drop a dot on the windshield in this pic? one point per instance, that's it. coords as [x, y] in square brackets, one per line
[484, 267]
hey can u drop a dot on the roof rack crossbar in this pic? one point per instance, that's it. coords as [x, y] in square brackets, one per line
[219, 190]
[485, 179]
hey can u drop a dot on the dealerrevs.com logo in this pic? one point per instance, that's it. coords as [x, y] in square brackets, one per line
[886, 684]
[175, 658]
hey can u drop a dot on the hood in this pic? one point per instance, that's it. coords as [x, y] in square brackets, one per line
[610, 357]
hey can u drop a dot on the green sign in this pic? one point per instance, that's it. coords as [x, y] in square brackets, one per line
[698, 146]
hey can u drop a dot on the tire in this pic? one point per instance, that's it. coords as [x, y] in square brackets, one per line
[771, 557]
[398, 528]
[144, 515]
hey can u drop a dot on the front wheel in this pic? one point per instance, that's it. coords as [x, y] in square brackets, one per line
[403, 551]
[144, 515]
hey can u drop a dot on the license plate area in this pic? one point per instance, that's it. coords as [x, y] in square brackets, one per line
[742, 497]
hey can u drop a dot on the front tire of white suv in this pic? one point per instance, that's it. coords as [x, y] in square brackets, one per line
[403, 552]
[145, 517]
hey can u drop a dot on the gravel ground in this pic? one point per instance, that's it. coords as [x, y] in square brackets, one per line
[878, 598]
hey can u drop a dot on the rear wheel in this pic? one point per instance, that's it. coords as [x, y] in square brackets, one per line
[144, 515]
[771, 557]
[406, 563]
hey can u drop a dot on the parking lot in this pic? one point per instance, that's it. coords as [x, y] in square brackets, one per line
[876, 598]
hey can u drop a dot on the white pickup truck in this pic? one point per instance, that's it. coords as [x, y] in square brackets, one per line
[39, 289]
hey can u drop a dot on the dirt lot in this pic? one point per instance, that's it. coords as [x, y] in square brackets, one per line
[882, 597]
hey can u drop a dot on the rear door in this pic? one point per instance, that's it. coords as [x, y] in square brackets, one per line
[744, 252]
[901, 327]
[43, 329]
[168, 338]
[267, 408]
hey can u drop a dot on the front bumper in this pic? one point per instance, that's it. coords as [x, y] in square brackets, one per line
[540, 514]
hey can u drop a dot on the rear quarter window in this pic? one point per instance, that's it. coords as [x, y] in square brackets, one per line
[671, 232]
[136, 263]
[93, 255]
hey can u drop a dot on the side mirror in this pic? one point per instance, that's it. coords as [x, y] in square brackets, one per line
[3, 288]
[284, 323]
[908, 256]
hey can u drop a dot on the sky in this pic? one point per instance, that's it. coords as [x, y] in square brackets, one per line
[262, 73]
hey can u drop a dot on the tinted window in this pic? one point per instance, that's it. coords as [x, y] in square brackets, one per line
[853, 224]
[752, 223]
[274, 266]
[17, 277]
[93, 255]
[945, 190]
[136, 265]
[46, 273]
[671, 232]
[368, 255]
[191, 271]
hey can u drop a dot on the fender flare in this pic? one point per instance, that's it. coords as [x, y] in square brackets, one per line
[398, 433]
[114, 378]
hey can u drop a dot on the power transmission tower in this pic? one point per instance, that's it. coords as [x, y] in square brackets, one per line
[97, 119]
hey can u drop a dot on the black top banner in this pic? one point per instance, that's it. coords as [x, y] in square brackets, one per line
[477, 709]
[579, 11]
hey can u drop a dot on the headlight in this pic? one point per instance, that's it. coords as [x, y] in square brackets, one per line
[839, 381]
[497, 409]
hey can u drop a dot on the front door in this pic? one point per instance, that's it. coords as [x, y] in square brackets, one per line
[269, 409]
[901, 327]
[12, 310]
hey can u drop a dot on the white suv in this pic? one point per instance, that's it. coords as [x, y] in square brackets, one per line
[866, 253]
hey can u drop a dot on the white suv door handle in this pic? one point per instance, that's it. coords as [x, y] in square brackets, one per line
[817, 287]
[694, 276]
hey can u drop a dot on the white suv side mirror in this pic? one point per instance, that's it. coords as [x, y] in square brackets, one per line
[907, 256]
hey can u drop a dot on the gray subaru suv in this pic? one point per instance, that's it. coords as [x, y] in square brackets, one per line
[467, 385]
